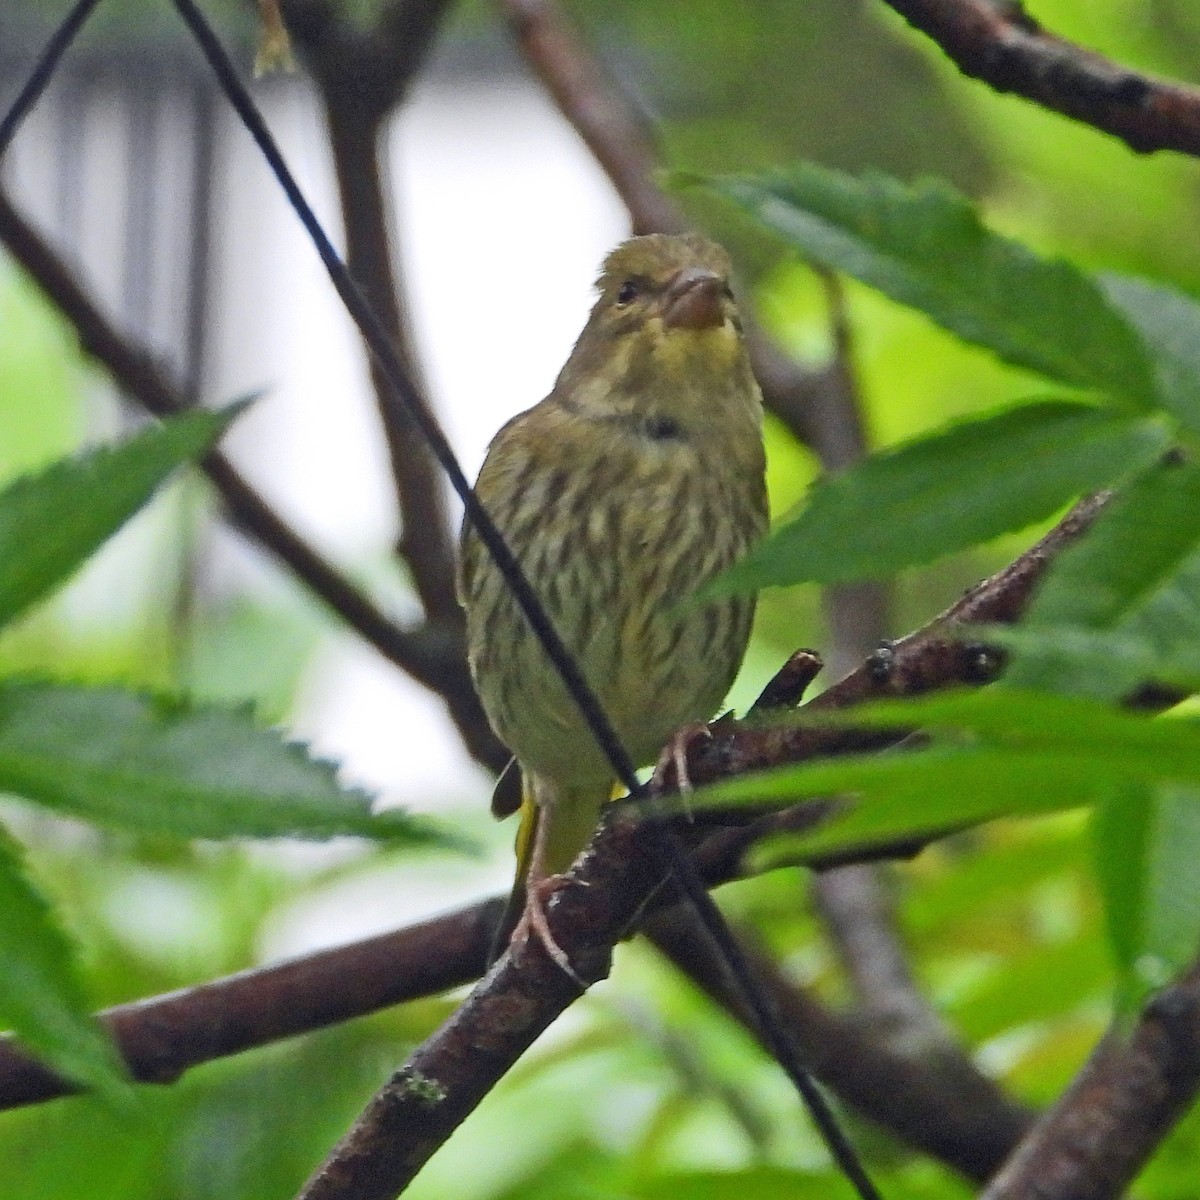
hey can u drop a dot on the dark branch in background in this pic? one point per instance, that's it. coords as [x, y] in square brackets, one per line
[616, 134]
[363, 74]
[940, 1105]
[433, 657]
[1002, 45]
[622, 144]
[855, 903]
[1130, 1093]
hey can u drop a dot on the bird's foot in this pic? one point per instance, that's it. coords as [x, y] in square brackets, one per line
[533, 923]
[672, 763]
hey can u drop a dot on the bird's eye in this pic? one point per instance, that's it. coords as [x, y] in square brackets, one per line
[628, 291]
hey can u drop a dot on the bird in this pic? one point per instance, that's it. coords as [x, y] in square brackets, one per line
[638, 479]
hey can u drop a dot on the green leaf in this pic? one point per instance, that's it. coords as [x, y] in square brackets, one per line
[42, 998]
[1134, 577]
[994, 752]
[926, 247]
[1103, 664]
[1130, 742]
[1146, 847]
[1169, 324]
[1136, 546]
[947, 491]
[916, 794]
[155, 765]
[51, 522]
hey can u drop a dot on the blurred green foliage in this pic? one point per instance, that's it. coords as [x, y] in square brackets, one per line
[1005, 925]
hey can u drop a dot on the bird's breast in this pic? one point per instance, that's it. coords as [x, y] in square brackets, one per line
[615, 544]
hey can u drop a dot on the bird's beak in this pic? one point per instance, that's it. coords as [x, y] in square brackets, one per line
[694, 300]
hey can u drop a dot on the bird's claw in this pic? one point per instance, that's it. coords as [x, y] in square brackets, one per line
[673, 761]
[533, 923]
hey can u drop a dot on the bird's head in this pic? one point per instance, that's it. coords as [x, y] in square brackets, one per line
[661, 286]
[669, 294]
[664, 330]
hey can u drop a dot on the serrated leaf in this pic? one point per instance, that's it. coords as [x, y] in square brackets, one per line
[41, 995]
[1144, 746]
[1136, 577]
[926, 247]
[1136, 545]
[1101, 663]
[1169, 324]
[916, 794]
[994, 752]
[947, 491]
[1146, 846]
[51, 522]
[153, 765]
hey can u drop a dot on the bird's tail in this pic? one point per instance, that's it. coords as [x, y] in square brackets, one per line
[526, 832]
[571, 823]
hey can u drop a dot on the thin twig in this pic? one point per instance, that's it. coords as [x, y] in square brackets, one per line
[363, 73]
[1002, 45]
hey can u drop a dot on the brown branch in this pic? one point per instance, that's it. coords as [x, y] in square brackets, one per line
[1002, 45]
[363, 74]
[591, 101]
[447, 1076]
[622, 144]
[432, 656]
[162, 1037]
[1128, 1096]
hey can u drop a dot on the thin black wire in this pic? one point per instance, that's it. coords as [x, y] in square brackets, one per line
[44, 68]
[414, 409]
